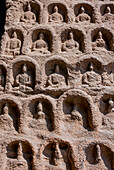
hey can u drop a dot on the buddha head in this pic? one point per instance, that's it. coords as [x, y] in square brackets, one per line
[29, 7]
[5, 109]
[39, 107]
[57, 69]
[99, 35]
[41, 36]
[90, 66]
[24, 68]
[71, 35]
[14, 35]
[82, 10]
[55, 9]
[108, 10]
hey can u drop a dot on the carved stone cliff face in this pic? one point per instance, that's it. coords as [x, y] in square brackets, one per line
[56, 85]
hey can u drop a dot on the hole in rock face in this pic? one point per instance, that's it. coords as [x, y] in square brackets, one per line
[2, 16]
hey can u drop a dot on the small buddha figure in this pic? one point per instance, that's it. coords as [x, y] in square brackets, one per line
[107, 79]
[90, 77]
[2, 80]
[98, 153]
[110, 106]
[56, 79]
[70, 45]
[83, 17]
[40, 114]
[6, 122]
[28, 16]
[40, 46]
[75, 113]
[13, 46]
[57, 156]
[24, 81]
[56, 17]
[99, 44]
[108, 16]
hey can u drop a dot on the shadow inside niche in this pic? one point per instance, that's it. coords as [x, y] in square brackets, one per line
[2, 16]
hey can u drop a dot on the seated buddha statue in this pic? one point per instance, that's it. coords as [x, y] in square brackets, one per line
[108, 16]
[13, 46]
[90, 77]
[28, 16]
[39, 114]
[40, 46]
[70, 45]
[56, 79]
[24, 81]
[75, 113]
[56, 17]
[107, 79]
[83, 17]
[2, 80]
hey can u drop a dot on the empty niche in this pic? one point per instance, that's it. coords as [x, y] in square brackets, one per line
[57, 73]
[2, 77]
[84, 13]
[42, 113]
[57, 13]
[107, 12]
[42, 41]
[20, 152]
[99, 156]
[14, 42]
[24, 76]
[72, 41]
[58, 155]
[31, 13]
[2, 16]
[9, 116]
[73, 110]
[102, 40]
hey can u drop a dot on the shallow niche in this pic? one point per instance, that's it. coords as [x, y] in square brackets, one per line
[84, 13]
[99, 155]
[102, 40]
[14, 42]
[72, 41]
[73, 110]
[58, 155]
[9, 116]
[57, 73]
[57, 13]
[31, 13]
[19, 152]
[2, 77]
[107, 12]
[42, 113]
[24, 76]
[42, 41]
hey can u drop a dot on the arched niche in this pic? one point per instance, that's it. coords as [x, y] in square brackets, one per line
[73, 110]
[41, 110]
[99, 155]
[57, 154]
[107, 36]
[35, 9]
[104, 6]
[62, 9]
[9, 115]
[18, 74]
[3, 75]
[78, 37]
[48, 39]
[51, 65]
[89, 9]
[2, 17]
[13, 41]
[20, 152]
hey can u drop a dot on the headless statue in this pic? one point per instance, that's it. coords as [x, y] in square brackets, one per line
[28, 16]
[24, 81]
[75, 113]
[83, 17]
[2, 80]
[56, 17]
[13, 46]
[108, 16]
[40, 46]
[70, 45]
[90, 77]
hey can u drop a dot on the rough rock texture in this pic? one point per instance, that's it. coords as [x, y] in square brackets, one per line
[57, 85]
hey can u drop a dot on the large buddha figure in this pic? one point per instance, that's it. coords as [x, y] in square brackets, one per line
[6, 122]
[90, 77]
[56, 79]
[70, 45]
[40, 46]
[28, 16]
[2, 80]
[39, 114]
[24, 81]
[56, 17]
[108, 16]
[99, 43]
[83, 17]
[13, 46]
